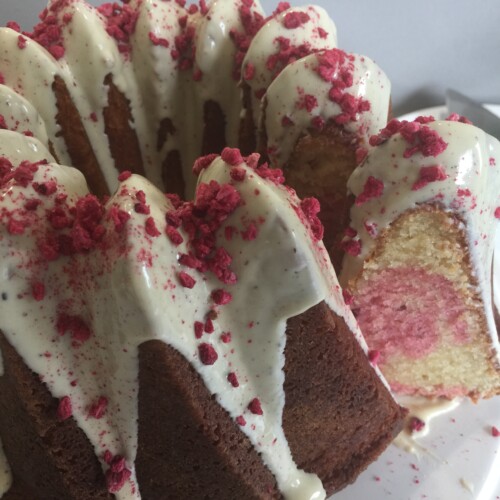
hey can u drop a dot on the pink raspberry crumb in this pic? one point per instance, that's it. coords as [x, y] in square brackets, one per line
[226, 337]
[429, 174]
[373, 188]
[151, 228]
[221, 297]
[293, 20]
[75, 325]
[64, 408]
[199, 327]
[255, 407]
[348, 297]
[186, 280]
[416, 424]
[117, 474]
[123, 176]
[233, 379]
[203, 163]
[373, 356]
[98, 409]
[38, 291]
[208, 355]
[232, 156]
[174, 236]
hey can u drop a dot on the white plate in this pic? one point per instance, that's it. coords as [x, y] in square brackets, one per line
[462, 461]
[441, 112]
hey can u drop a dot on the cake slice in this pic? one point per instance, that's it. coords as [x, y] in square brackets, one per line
[157, 348]
[317, 117]
[420, 252]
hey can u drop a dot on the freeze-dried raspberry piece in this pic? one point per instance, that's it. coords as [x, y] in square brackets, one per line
[429, 174]
[208, 355]
[123, 176]
[416, 424]
[373, 188]
[199, 328]
[352, 247]
[186, 280]
[255, 407]
[374, 356]
[158, 41]
[174, 236]
[250, 233]
[293, 20]
[117, 474]
[238, 174]
[75, 325]
[38, 291]
[226, 337]
[233, 379]
[203, 163]
[64, 408]
[221, 297]
[119, 218]
[348, 297]
[98, 409]
[232, 156]
[151, 228]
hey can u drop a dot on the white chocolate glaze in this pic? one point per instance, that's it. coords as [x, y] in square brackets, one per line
[30, 72]
[266, 43]
[471, 189]
[17, 148]
[425, 410]
[159, 89]
[285, 100]
[161, 84]
[20, 115]
[119, 290]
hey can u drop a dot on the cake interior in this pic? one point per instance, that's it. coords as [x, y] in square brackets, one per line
[415, 305]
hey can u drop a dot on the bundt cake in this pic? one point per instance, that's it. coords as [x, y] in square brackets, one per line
[420, 257]
[187, 349]
[148, 86]
[94, 287]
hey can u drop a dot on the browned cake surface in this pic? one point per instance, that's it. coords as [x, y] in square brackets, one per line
[214, 128]
[55, 459]
[74, 135]
[320, 166]
[338, 417]
[189, 447]
[122, 138]
[247, 142]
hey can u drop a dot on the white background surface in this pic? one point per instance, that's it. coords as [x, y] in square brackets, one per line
[424, 46]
